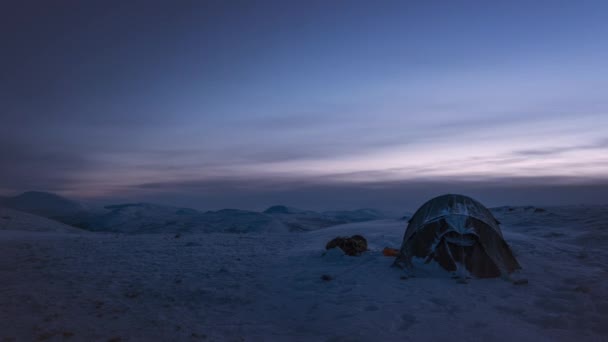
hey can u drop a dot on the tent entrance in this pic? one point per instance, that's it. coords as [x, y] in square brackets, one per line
[456, 252]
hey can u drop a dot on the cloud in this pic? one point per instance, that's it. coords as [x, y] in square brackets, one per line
[600, 144]
[28, 166]
[398, 196]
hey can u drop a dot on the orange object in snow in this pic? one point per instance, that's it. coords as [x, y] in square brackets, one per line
[390, 252]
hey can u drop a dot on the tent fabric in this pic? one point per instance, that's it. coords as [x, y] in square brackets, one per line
[457, 231]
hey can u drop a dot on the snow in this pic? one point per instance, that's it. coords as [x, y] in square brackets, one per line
[305, 220]
[11, 219]
[138, 218]
[141, 218]
[268, 286]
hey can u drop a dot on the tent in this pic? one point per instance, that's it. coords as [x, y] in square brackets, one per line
[458, 233]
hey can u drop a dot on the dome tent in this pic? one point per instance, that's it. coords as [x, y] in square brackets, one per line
[457, 231]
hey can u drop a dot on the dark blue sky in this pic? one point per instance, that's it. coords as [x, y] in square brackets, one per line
[318, 103]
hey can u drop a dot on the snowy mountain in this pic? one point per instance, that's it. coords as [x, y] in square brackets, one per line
[518, 209]
[11, 219]
[282, 209]
[142, 218]
[304, 220]
[138, 218]
[44, 204]
[239, 221]
[359, 215]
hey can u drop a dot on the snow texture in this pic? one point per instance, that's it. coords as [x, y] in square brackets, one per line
[11, 219]
[281, 287]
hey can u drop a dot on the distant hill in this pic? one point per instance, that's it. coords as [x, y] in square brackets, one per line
[240, 221]
[44, 204]
[138, 218]
[304, 220]
[359, 215]
[518, 209]
[11, 219]
[282, 209]
[143, 218]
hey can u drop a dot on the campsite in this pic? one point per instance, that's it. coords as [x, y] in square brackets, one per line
[303, 171]
[62, 283]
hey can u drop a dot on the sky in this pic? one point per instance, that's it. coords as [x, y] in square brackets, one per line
[322, 104]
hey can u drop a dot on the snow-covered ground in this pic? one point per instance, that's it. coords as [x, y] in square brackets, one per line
[11, 219]
[268, 286]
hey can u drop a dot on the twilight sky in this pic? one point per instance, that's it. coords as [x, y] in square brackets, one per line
[322, 104]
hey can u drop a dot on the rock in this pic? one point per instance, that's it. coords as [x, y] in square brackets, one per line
[354, 245]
